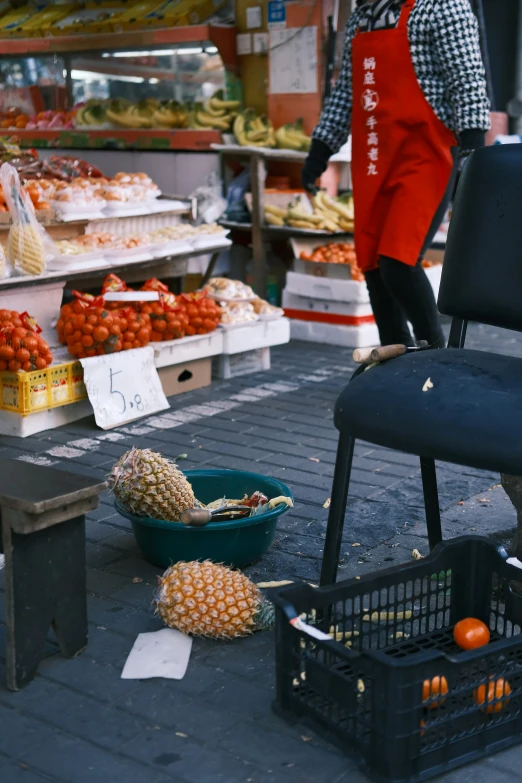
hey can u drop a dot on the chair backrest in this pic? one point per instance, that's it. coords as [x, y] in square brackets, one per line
[482, 272]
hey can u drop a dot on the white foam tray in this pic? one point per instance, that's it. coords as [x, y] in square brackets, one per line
[330, 334]
[310, 304]
[188, 349]
[262, 334]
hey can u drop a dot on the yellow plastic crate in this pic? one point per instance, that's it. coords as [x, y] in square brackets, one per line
[28, 392]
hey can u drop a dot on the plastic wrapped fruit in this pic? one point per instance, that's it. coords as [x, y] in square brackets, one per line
[22, 348]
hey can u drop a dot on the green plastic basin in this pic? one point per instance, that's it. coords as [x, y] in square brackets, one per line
[236, 543]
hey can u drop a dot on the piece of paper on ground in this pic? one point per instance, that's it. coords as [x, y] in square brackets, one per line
[164, 653]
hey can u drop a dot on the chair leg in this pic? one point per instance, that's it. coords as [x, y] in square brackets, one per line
[334, 530]
[431, 501]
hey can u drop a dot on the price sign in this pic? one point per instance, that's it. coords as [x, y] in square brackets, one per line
[123, 386]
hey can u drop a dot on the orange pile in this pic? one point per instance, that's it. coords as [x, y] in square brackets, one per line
[336, 253]
[21, 346]
[89, 329]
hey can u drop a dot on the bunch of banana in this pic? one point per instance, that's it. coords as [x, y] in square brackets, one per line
[216, 113]
[293, 137]
[129, 115]
[337, 216]
[275, 216]
[171, 114]
[328, 215]
[93, 113]
[251, 130]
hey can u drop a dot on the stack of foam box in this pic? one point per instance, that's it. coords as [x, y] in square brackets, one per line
[325, 305]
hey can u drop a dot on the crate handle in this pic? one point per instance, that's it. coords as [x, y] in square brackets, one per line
[310, 630]
[512, 561]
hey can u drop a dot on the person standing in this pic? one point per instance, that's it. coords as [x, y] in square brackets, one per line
[412, 90]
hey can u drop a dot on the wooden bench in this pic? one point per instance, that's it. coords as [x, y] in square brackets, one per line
[42, 512]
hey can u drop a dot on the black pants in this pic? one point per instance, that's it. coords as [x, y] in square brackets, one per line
[400, 293]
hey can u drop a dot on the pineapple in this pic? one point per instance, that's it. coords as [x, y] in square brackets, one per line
[150, 485]
[206, 599]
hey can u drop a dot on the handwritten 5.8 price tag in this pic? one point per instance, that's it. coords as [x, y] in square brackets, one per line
[123, 386]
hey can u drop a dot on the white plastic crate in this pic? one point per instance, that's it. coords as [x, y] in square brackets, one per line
[330, 334]
[325, 308]
[233, 365]
[261, 334]
[188, 349]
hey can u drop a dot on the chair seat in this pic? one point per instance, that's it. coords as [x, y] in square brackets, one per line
[472, 415]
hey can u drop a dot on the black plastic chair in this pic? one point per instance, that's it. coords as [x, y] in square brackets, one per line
[473, 414]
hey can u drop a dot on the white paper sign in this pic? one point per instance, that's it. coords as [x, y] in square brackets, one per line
[165, 654]
[244, 43]
[293, 61]
[123, 386]
[260, 43]
[254, 17]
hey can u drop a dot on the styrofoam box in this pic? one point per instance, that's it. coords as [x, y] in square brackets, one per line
[311, 304]
[343, 290]
[23, 426]
[188, 349]
[234, 365]
[262, 334]
[41, 301]
[327, 288]
[330, 334]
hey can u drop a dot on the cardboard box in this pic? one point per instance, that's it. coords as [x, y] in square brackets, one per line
[12, 22]
[187, 377]
[135, 17]
[91, 19]
[189, 12]
[308, 245]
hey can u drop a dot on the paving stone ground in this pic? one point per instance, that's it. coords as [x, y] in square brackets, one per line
[78, 722]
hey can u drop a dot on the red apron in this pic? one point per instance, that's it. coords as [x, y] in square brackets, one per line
[401, 151]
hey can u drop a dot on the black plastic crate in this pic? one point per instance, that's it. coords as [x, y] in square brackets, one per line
[394, 630]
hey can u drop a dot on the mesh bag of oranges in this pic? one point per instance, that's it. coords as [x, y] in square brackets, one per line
[114, 284]
[204, 315]
[168, 317]
[21, 345]
[89, 329]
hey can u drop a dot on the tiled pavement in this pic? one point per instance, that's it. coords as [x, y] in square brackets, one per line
[78, 722]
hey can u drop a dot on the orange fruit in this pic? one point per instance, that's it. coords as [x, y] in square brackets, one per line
[471, 633]
[496, 695]
[437, 686]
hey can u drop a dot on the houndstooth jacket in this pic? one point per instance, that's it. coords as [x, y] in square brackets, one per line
[445, 51]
